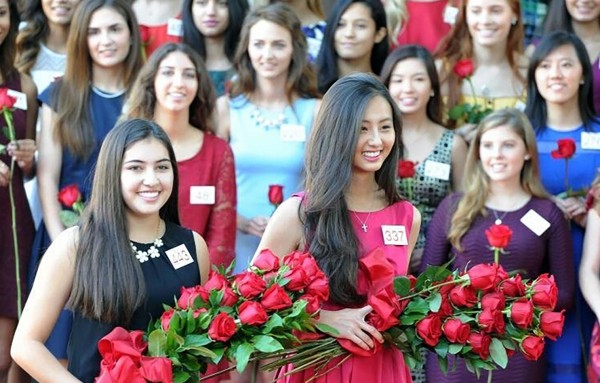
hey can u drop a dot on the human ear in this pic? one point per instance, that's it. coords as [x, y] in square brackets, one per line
[380, 35]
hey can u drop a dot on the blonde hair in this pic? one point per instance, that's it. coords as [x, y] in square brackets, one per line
[476, 181]
[396, 16]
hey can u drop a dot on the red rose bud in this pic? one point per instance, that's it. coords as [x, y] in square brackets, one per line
[464, 68]
[144, 34]
[6, 101]
[463, 296]
[566, 149]
[298, 279]
[493, 301]
[532, 347]
[229, 297]
[222, 328]
[498, 236]
[252, 313]
[483, 276]
[430, 329]
[513, 287]
[69, 195]
[456, 331]
[313, 303]
[446, 308]
[545, 292]
[215, 281]
[275, 194]
[491, 321]
[188, 296]
[551, 324]
[319, 287]
[249, 285]
[521, 313]
[481, 344]
[413, 281]
[275, 298]
[165, 319]
[197, 313]
[406, 169]
[266, 261]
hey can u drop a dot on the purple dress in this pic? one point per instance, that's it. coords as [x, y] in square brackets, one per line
[529, 253]
[25, 228]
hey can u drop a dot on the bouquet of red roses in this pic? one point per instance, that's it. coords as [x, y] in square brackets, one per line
[261, 310]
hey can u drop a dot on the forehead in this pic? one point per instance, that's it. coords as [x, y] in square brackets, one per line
[501, 133]
[268, 30]
[488, 3]
[177, 59]
[378, 109]
[409, 65]
[561, 52]
[106, 16]
[357, 11]
[147, 150]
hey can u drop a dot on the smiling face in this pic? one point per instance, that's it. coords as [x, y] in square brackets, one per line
[146, 177]
[270, 49]
[558, 76]
[356, 33]
[583, 11]
[211, 17]
[176, 83]
[59, 12]
[376, 137]
[502, 153]
[489, 21]
[108, 38]
[410, 86]
[4, 20]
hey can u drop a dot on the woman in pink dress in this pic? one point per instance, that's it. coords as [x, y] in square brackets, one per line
[350, 204]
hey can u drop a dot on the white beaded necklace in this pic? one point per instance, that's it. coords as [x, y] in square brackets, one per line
[267, 124]
[143, 256]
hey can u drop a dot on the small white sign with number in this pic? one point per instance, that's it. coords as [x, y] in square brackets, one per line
[21, 99]
[292, 132]
[437, 170]
[590, 140]
[450, 14]
[394, 235]
[535, 222]
[175, 27]
[202, 195]
[179, 256]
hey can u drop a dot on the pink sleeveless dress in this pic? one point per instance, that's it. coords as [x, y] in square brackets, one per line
[386, 366]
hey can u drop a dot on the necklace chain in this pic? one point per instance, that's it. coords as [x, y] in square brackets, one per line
[267, 124]
[498, 220]
[363, 224]
[143, 256]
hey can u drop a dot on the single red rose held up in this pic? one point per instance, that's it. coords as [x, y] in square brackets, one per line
[275, 194]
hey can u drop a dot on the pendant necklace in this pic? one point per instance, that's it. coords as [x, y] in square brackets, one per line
[143, 256]
[267, 124]
[363, 225]
[498, 220]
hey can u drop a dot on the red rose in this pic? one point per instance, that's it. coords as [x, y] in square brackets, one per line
[464, 68]
[188, 296]
[275, 298]
[252, 313]
[307, 335]
[513, 287]
[144, 34]
[456, 331]
[386, 305]
[446, 308]
[69, 195]
[481, 344]
[298, 279]
[493, 301]
[406, 169]
[430, 329]
[215, 281]
[197, 312]
[222, 328]
[532, 347]
[313, 303]
[498, 236]
[463, 296]
[566, 149]
[304, 261]
[266, 261]
[545, 292]
[275, 194]
[229, 297]
[156, 369]
[483, 276]
[6, 101]
[521, 313]
[319, 287]
[249, 284]
[551, 324]
[491, 321]
[165, 319]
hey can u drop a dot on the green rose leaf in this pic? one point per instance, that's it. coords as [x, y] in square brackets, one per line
[498, 353]
[242, 356]
[265, 343]
[157, 343]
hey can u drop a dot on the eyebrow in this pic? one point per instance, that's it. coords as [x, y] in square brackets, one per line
[382, 120]
[143, 162]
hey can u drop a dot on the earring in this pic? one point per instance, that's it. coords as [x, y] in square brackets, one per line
[582, 82]
[431, 94]
[514, 21]
[527, 157]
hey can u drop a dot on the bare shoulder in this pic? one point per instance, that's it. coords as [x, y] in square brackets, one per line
[28, 86]
[64, 247]
[223, 122]
[459, 144]
[202, 256]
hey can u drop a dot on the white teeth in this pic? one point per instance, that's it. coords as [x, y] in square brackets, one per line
[149, 194]
[371, 154]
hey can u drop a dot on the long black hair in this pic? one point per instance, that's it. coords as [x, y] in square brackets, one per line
[328, 163]
[8, 47]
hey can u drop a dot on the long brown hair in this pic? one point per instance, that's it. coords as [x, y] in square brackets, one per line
[476, 183]
[8, 48]
[142, 99]
[73, 127]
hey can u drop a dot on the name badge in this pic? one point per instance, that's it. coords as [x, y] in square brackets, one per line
[535, 222]
[292, 133]
[450, 14]
[437, 170]
[21, 102]
[394, 235]
[175, 27]
[520, 105]
[202, 195]
[590, 140]
[179, 256]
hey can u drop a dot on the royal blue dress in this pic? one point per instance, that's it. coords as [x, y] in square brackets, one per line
[565, 356]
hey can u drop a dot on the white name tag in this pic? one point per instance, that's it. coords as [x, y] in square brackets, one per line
[590, 140]
[202, 195]
[520, 105]
[450, 14]
[179, 256]
[437, 170]
[535, 222]
[292, 132]
[394, 235]
[21, 97]
[175, 27]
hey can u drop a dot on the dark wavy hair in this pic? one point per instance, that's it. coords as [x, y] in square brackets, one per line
[434, 104]
[327, 67]
[558, 18]
[108, 285]
[192, 36]
[536, 108]
[8, 48]
[328, 163]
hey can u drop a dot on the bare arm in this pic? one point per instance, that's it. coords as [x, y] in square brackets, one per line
[46, 300]
[223, 121]
[203, 259]
[459, 157]
[589, 270]
[414, 232]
